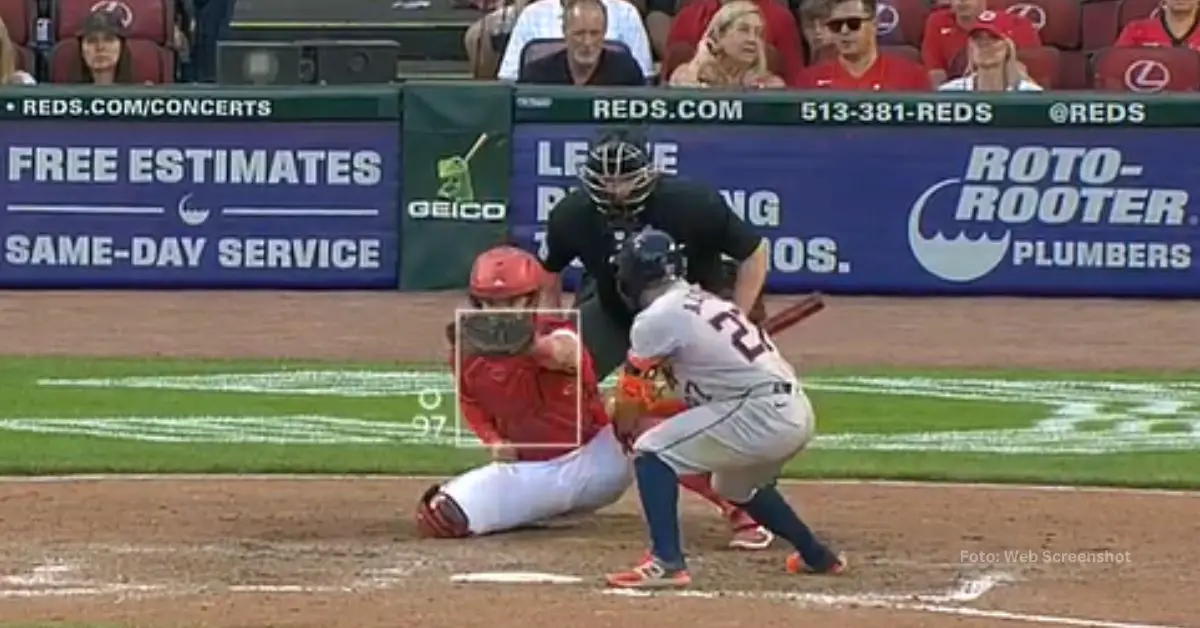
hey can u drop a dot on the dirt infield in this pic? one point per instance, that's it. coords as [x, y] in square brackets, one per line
[305, 552]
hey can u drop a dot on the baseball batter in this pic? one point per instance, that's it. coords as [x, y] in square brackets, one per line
[530, 393]
[747, 414]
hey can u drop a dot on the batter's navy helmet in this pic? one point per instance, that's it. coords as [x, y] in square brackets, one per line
[647, 258]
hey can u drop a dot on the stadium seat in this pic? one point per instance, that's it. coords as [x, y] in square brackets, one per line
[908, 52]
[1074, 70]
[152, 20]
[1147, 70]
[1043, 64]
[901, 22]
[19, 17]
[1099, 19]
[1057, 21]
[151, 63]
[1130, 10]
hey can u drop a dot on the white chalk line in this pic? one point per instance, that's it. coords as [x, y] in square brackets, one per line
[966, 591]
[948, 603]
[343, 477]
[54, 579]
[50, 580]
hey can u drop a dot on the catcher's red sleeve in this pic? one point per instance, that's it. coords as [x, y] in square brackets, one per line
[480, 421]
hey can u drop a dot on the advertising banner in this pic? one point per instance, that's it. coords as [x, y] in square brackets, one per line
[218, 205]
[922, 210]
[455, 202]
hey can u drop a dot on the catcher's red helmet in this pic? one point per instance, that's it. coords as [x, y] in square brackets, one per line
[505, 272]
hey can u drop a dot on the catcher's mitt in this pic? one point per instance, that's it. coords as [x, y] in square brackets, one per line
[497, 334]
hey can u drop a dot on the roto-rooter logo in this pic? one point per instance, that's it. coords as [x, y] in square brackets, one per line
[1048, 207]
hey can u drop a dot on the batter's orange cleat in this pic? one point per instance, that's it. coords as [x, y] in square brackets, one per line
[837, 567]
[650, 574]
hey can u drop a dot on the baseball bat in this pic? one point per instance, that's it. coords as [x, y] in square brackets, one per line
[784, 319]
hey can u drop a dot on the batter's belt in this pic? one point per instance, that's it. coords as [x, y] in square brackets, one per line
[765, 389]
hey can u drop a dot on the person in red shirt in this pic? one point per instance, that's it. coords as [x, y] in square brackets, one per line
[859, 65]
[943, 47]
[690, 25]
[529, 391]
[1174, 25]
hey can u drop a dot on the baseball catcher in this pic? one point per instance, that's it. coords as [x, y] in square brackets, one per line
[517, 391]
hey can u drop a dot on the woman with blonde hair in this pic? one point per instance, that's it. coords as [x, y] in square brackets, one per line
[9, 74]
[732, 52]
[992, 64]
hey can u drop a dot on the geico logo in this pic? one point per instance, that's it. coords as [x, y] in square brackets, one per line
[454, 210]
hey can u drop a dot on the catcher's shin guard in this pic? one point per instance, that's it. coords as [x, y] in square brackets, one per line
[440, 517]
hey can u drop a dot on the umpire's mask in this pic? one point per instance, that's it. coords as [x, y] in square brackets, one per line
[618, 175]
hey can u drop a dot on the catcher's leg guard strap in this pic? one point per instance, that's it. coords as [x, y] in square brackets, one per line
[439, 516]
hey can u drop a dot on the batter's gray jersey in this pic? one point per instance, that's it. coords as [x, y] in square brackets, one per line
[715, 352]
[747, 414]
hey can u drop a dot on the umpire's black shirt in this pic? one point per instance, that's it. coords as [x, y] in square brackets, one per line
[693, 214]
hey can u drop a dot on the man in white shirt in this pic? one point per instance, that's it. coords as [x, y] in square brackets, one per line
[543, 19]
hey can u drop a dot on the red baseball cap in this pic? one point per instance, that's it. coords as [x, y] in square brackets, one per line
[986, 23]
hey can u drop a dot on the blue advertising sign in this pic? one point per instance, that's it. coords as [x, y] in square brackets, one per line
[278, 205]
[923, 210]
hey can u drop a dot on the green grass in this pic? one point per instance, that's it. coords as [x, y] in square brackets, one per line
[24, 452]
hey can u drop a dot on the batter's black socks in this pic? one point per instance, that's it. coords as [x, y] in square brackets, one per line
[658, 488]
[771, 510]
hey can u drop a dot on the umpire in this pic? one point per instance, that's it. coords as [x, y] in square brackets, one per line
[622, 193]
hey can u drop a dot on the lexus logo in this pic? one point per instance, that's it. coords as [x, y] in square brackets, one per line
[1147, 76]
[1031, 12]
[886, 18]
[115, 6]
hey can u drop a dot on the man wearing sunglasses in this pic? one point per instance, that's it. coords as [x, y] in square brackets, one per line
[859, 65]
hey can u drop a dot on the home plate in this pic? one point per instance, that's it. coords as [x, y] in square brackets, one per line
[514, 577]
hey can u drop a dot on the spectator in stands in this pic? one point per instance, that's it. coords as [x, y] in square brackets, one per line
[818, 41]
[9, 74]
[544, 20]
[732, 52]
[945, 41]
[103, 58]
[992, 64]
[659, 15]
[485, 39]
[212, 20]
[780, 34]
[182, 36]
[584, 59]
[859, 65]
[1176, 24]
